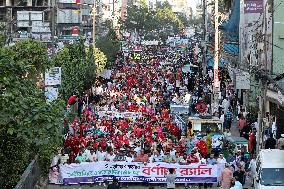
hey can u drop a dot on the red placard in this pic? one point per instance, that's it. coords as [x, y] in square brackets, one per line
[75, 31]
[201, 106]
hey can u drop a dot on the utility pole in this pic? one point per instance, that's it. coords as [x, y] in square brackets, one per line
[205, 37]
[216, 84]
[94, 24]
[263, 87]
[53, 23]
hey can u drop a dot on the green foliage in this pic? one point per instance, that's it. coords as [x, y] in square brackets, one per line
[100, 59]
[33, 53]
[160, 23]
[28, 124]
[78, 69]
[109, 45]
[3, 37]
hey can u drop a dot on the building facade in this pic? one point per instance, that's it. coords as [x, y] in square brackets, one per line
[274, 96]
[26, 19]
[255, 28]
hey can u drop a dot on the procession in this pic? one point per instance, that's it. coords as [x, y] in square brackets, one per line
[124, 128]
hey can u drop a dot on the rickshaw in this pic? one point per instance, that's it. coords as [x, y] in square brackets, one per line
[200, 125]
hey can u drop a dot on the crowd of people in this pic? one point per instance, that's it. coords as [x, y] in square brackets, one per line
[127, 118]
[144, 90]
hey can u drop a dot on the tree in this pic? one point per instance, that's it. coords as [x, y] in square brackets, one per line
[136, 19]
[78, 69]
[2, 35]
[109, 45]
[100, 59]
[28, 124]
[160, 23]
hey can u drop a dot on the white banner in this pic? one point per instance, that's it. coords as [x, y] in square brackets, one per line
[137, 172]
[115, 114]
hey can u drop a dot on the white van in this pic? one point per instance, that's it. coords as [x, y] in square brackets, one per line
[270, 169]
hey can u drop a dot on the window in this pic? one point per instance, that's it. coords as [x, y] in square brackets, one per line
[281, 31]
[272, 177]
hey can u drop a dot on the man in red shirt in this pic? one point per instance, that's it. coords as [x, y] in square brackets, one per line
[192, 158]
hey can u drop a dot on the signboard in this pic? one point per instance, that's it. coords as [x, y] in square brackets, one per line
[53, 76]
[75, 31]
[23, 15]
[242, 80]
[67, 1]
[179, 108]
[112, 114]
[253, 6]
[106, 74]
[136, 172]
[150, 42]
[51, 93]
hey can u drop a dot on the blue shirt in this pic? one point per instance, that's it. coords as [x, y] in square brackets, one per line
[212, 161]
[229, 116]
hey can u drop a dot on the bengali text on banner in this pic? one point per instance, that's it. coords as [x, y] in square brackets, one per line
[136, 172]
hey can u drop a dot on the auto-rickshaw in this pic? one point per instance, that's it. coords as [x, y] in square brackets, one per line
[200, 125]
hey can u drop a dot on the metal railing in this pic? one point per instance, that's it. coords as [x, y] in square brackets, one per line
[30, 177]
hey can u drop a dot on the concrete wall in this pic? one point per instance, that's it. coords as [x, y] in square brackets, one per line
[278, 38]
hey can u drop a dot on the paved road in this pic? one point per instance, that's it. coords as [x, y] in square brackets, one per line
[104, 187]
[235, 132]
[124, 187]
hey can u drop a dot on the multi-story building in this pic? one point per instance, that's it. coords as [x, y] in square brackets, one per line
[275, 100]
[26, 19]
[181, 6]
[255, 27]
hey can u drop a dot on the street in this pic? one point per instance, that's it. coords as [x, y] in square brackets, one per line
[167, 92]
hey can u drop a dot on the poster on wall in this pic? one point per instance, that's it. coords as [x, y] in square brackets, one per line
[53, 76]
[242, 80]
[253, 6]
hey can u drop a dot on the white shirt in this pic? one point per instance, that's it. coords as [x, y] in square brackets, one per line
[202, 161]
[129, 159]
[64, 158]
[109, 157]
[173, 152]
[137, 150]
[273, 127]
[252, 167]
[91, 157]
[87, 152]
[101, 156]
[221, 161]
[187, 98]
[222, 118]
[55, 160]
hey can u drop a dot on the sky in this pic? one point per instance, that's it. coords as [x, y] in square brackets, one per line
[192, 4]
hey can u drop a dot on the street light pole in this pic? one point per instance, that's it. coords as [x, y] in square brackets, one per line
[263, 87]
[216, 85]
[94, 24]
[53, 22]
[205, 37]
